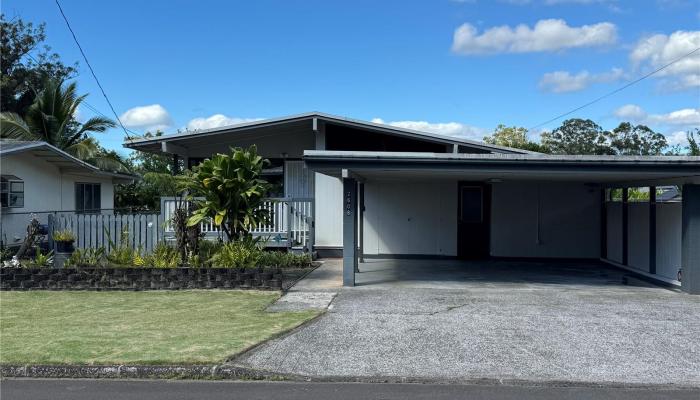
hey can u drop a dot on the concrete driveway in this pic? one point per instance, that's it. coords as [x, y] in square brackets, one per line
[543, 328]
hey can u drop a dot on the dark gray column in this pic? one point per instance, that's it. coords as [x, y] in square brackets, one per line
[361, 212]
[625, 226]
[652, 229]
[690, 257]
[176, 164]
[349, 231]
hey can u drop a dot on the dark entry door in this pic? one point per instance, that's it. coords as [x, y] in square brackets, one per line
[474, 214]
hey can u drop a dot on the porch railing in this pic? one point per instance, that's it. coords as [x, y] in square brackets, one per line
[291, 222]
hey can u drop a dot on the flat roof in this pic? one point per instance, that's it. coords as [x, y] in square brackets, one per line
[588, 168]
[152, 144]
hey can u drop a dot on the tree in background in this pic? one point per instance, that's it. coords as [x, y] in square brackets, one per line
[51, 118]
[232, 189]
[513, 136]
[156, 181]
[25, 64]
[577, 136]
[693, 147]
[628, 139]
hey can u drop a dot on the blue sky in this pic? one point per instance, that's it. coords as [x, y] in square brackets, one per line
[452, 67]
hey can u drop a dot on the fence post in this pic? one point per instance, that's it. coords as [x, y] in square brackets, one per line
[290, 230]
[312, 226]
[51, 229]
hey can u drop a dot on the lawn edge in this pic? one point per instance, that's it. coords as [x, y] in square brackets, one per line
[233, 372]
[231, 358]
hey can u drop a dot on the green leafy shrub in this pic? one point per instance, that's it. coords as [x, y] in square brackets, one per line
[207, 250]
[123, 254]
[163, 256]
[237, 255]
[42, 260]
[285, 260]
[90, 257]
[64, 236]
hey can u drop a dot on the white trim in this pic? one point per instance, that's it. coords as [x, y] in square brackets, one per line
[643, 273]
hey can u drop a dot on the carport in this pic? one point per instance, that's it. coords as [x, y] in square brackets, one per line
[518, 207]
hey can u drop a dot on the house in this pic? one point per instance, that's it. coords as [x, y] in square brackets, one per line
[40, 179]
[383, 191]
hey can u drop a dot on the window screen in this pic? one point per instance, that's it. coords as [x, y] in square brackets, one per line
[88, 197]
[11, 191]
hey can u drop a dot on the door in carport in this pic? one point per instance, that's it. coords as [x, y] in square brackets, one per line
[474, 208]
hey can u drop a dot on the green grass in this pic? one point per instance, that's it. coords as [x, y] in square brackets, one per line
[183, 327]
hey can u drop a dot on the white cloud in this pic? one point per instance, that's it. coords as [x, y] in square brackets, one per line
[546, 35]
[217, 121]
[630, 112]
[685, 117]
[677, 138]
[441, 128]
[151, 118]
[655, 51]
[564, 81]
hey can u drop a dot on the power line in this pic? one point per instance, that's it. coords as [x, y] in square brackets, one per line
[616, 90]
[91, 70]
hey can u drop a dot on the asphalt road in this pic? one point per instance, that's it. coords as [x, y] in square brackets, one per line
[75, 389]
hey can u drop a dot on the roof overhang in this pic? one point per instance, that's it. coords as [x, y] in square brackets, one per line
[179, 143]
[600, 170]
[65, 162]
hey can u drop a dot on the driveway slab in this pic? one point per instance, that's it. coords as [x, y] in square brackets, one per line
[541, 332]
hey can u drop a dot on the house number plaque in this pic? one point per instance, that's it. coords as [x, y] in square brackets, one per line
[348, 203]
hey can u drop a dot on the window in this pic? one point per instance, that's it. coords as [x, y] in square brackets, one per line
[11, 191]
[87, 197]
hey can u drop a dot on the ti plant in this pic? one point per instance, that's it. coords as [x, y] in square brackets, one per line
[232, 189]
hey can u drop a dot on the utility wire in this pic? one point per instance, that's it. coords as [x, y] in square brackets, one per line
[616, 90]
[91, 70]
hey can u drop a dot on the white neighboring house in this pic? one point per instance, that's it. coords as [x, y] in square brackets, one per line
[41, 179]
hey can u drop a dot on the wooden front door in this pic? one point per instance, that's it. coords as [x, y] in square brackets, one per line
[473, 220]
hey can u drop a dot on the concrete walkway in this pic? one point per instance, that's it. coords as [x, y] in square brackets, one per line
[547, 328]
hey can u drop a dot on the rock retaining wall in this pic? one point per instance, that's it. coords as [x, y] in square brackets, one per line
[138, 278]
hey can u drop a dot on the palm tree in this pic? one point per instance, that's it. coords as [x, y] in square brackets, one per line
[51, 118]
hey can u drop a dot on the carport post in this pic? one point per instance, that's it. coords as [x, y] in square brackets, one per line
[349, 231]
[690, 228]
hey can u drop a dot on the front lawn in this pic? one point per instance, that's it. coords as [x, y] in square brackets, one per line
[182, 327]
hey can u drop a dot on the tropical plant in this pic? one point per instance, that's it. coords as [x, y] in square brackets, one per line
[89, 257]
[51, 118]
[65, 235]
[285, 260]
[122, 253]
[242, 255]
[232, 189]
[42, 260]
[163, 256]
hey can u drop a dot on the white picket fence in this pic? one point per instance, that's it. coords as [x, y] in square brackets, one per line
[104, 229]
[291, 222]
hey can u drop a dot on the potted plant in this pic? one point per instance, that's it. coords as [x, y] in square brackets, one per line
[64, 241]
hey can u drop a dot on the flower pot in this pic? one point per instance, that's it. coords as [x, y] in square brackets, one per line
[65, 247]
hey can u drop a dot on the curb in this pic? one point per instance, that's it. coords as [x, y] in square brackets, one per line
[134, 372]
[233, 372]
